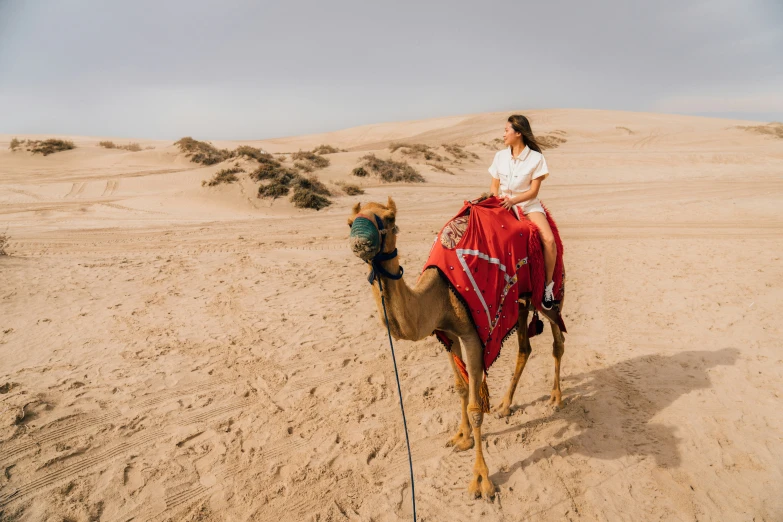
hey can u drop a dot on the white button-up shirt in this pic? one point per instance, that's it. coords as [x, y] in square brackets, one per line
[515, 175]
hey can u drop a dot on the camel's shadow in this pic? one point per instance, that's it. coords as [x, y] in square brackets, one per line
[612, 408]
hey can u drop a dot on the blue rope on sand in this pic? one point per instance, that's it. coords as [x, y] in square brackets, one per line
[399, 392]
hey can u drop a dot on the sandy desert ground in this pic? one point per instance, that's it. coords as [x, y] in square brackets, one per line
[170, 351]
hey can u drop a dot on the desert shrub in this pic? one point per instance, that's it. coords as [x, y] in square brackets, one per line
[224, 176]
[202, 152]
[311, 159]
[4, 240]
[312, 184]
[309, 192]
[416, 150]
[350, 189]
[279, 180]
[459, 152]
[774, 129]
[440, 168]
[359, 172]
[391, 171]
[49, 146]
[551, 141]
[15, 143]
[304, 167]
[306, 198]
[326, 149]
[132, 147]
[252, 153]
[273, 190]
[269, 169]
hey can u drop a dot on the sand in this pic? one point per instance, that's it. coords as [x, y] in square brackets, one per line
[176, 352]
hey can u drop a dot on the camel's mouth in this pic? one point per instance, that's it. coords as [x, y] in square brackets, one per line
[364, 239]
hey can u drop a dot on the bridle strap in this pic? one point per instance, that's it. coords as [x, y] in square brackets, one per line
[377, 269]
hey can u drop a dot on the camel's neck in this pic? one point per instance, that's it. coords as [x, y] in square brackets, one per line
[413, 312]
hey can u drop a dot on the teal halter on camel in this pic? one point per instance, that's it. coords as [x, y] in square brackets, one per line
[370, 238]
[367, 239]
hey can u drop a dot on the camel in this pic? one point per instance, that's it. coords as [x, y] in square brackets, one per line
[414, 313]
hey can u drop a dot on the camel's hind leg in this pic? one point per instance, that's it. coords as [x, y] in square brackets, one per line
[481, 485]
[558, 348]
[463, 440]
[504, 408]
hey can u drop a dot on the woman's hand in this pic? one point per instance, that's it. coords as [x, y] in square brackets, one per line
[507, 202]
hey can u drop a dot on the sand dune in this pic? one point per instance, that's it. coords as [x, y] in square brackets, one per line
[170, 351]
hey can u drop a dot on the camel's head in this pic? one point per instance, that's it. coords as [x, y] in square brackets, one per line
[366, 236]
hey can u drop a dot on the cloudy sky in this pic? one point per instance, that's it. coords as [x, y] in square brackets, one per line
[239, 69]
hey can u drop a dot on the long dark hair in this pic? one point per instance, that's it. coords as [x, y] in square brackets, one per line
[520, 124]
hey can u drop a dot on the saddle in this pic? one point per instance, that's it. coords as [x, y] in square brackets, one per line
[490, 260]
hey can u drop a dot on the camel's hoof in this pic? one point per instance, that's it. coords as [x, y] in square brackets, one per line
[502, 410]
[474, 488]
[487, 489]
[481, 486]
[555, 400]
[460, 442]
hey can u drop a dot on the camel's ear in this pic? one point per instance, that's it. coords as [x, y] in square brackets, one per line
[392, 206]
[355, 210]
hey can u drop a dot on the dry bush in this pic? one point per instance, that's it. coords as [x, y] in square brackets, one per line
[224, 176]
[359, 172]
[350, 189]
[4, 240]
[774, 129]
[326, 149]
[312, 184]
[459, 152]
[551, 141]
[440, 168]
[149, 148]
[15, 143]
[304, 167]
[273, 190]
[252, 153]
[416, 150]
[309, 161]
[269, 169]
[629, 131]
[391, 171]
[202, 152]
[306, 198]
[49, 146]
[498, 143]
[132, 147]
[309, 192]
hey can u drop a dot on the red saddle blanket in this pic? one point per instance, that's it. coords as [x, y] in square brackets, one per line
[489, 258]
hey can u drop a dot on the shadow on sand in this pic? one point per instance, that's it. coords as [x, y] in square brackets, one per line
[613, 407]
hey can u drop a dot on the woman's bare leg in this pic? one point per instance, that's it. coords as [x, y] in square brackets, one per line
[547, 241]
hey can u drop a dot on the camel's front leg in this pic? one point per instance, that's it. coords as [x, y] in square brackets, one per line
[463, 440]
[481, 485]
[504, 408]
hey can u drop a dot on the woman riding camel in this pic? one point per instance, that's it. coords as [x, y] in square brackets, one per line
[517, 172]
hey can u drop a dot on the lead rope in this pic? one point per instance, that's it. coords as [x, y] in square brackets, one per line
[399, 392]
